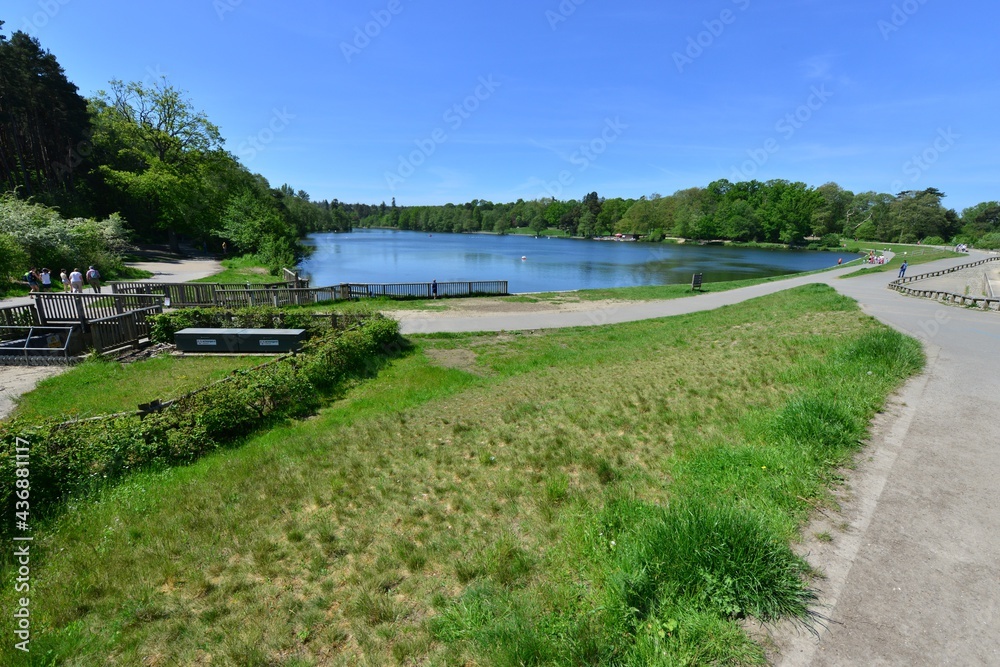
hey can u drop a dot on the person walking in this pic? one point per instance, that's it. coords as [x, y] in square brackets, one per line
[902, 269]
[94, 278]
[64, 277]
[434, 288]
[76, 282]
[46, 280]
[31, 277]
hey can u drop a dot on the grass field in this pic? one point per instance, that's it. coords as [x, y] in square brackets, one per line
[98, 387]
[618, 495]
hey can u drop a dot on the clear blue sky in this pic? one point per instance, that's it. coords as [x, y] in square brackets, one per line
[626, 98]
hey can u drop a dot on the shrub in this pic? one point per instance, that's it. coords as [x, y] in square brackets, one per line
[989, 241]
[76, 457]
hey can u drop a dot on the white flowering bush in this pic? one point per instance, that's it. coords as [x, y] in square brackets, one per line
[41, 237]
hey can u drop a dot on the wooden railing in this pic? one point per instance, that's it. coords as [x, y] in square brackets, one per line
[24, 316]
[184, 295]
[277, 297]
[293, 280]
[985, 303]
[424, 290]
[181, 295]
[122, 330]
[84, 308]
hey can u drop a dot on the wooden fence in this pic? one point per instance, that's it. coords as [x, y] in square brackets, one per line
[14, 316]
[185, 295]
[277, 297]
[985, 303]
[424, 290]
[84, 308]
[126, 329]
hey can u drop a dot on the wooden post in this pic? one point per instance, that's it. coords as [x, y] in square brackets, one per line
[79, 310]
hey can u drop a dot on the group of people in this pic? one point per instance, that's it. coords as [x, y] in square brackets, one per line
[41, 281]
[961, 247]
[875, 259]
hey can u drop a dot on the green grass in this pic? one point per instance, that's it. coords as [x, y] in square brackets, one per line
[618, 495]
[549, 231]
[245, 269]
[913, 254]
[98, 387]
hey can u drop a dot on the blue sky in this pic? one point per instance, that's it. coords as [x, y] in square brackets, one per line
[451, 101]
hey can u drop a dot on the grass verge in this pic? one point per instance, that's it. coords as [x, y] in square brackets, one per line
[245, 269]
[619, 495]
[913, 254]
[98, 387]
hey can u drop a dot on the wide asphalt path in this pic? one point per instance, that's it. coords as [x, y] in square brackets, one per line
[914, 575]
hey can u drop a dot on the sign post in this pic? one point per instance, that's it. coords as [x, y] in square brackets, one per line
[696, 282]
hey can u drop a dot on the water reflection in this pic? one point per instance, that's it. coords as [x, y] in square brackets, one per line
[377, 256]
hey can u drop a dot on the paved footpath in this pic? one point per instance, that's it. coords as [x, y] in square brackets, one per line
[164, 271]
[913, 578]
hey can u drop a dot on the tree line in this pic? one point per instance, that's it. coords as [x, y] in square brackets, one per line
[775, 211]
[141, 156]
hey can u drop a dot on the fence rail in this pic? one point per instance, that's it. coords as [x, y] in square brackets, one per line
[985, 303]
[84, 308]
[122, 330]
[23, 316]
[425, 290]
[277, 297]
[185, 295]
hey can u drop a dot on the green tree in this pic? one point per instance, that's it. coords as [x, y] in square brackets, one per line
[43, 120]
[159, 148]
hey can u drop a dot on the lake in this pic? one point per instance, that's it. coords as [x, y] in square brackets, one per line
[543, 264]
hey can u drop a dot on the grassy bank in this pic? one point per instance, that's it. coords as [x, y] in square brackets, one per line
[913, 254]
[619, 495]
[99, 387]
[245, 269]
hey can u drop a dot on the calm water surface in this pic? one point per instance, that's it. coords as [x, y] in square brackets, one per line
[548, 264]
